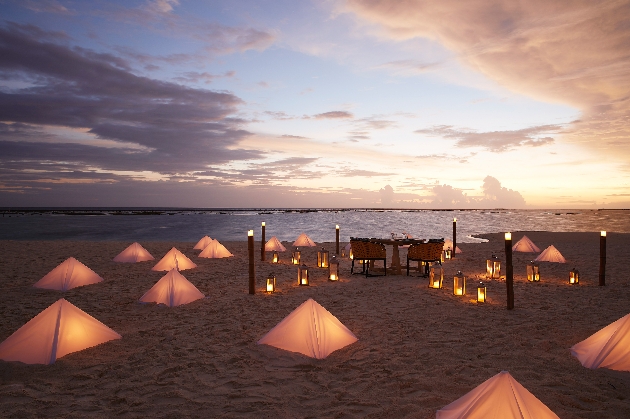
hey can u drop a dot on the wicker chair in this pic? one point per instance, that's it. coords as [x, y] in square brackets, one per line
[366, 252]
[424, 252]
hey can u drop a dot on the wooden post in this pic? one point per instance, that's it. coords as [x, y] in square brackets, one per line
[509, 273]
[262, 243]
[250, 251]
[337, 238]
[454, 238]
[602, 258]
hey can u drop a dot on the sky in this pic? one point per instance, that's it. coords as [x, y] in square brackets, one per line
[324, 104]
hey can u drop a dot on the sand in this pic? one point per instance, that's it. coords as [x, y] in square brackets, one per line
[418, 350]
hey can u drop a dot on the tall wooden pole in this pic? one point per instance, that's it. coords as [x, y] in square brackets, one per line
[262, 243]
[250, 251]
[454, 238]
[509, 272]
[602, 258]
[337, 238]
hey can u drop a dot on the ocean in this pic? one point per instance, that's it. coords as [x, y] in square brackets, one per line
[232, 225]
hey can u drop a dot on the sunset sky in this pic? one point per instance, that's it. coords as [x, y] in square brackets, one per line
[332, 103]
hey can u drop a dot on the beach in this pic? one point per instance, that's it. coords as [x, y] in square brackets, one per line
[419, 349]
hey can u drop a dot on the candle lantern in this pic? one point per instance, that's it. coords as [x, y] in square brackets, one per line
[271, 283]
[303, 275]
[343, 252]
[459, 284]
[442, 257]
[295, 256]
[275, 258]
[447, 254]
[436, 276]
[350, 255]
[481, 293]
[333, 269]
[322, 258]
[493, 268]
[574, 276]
[533, 272]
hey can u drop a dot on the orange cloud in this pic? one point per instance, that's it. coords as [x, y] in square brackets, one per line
[573, 52]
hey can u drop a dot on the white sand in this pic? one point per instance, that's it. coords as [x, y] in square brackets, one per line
[418, 349]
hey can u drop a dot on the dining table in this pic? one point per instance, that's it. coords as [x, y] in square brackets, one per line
[395, 243]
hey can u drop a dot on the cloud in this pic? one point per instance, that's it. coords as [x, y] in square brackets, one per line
[410, 67]
[171, 128]
[387, 195]
[46, 6]
[334, 115]
[496, 141]
[362, 173]
[207, 78]
[570, 52]
[503, 197]
[495, 196]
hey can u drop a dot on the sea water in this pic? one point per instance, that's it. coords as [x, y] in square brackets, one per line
[232, 225]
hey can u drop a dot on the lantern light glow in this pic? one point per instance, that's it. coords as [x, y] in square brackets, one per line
[271, 283]
[459, 284]
[508, 236]
[603, 233]
[250, 233]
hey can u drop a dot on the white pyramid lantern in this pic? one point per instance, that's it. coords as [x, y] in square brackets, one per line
[550, 254]
[203, 243]
[59, 330]
[174, 259]
[607, 348]
[499, 397]
[69, 274]
[134, 253]
[311, 330]
[215, 250]
[525, 245]
[274, 245]
[173, 289]
[304, 241]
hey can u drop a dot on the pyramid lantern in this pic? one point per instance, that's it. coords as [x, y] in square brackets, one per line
[274, 245]
[57, 331]
[203, 243]
[550, 254]
[69, 274]
[215, 250]
[607, 348]
[304, 241]
[173, 289]
[498, 397]
[525, 245]
[134, 253]
[311, 330]
[174, 259]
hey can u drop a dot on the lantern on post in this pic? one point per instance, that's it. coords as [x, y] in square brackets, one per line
[322, 258]
[533, 272]
[271, 283]
[481, 293]
[493, 268]
[436, 276]
[459, 284]
[333, 269]
[574, 276]
[303, 275]
[295, 257]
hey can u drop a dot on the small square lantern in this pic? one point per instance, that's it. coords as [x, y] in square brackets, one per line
[459, 284]
[493, 268]
[322, 258]
[533, 272]
[343, 252]
[351, 256]
[271, 283]
[303, 275]
[574, 276]
[275, 258]
[295, 257]
[436, 276]
[333, 269]
[448, 254]
[481, 293]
